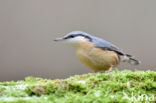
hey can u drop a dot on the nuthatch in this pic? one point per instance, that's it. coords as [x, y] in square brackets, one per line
[96, 53]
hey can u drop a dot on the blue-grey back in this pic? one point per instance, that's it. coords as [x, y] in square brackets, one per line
[103, 44]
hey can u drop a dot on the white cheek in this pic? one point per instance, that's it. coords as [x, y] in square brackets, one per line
[75, 40]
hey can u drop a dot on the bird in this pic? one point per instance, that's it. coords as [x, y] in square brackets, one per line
[96, 53]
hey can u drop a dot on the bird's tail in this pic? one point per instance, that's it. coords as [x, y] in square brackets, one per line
[129, 59]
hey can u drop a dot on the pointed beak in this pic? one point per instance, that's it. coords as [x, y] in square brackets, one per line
[59, 39]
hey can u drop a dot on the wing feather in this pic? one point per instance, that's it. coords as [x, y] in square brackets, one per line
[105, 45]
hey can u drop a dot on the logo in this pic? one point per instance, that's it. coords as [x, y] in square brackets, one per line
[140, 97]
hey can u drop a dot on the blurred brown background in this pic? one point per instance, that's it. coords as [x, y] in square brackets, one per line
[28, 27]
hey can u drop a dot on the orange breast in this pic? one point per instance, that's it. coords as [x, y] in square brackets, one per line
[96, 58]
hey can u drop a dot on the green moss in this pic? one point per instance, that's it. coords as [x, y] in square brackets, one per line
[114, 87]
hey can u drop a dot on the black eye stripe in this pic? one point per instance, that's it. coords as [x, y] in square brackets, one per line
[75, 35]
[71, 36]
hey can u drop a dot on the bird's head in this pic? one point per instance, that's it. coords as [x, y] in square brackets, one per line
[75, 37]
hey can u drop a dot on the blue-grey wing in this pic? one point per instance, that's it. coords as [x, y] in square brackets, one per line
[105, 45]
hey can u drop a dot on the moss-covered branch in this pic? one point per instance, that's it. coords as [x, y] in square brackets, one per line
[114, 87]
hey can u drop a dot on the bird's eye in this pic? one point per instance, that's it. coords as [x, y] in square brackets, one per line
[71, 36]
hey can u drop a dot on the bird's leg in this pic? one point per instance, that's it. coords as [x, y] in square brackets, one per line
[104, 71]
[109, 70]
